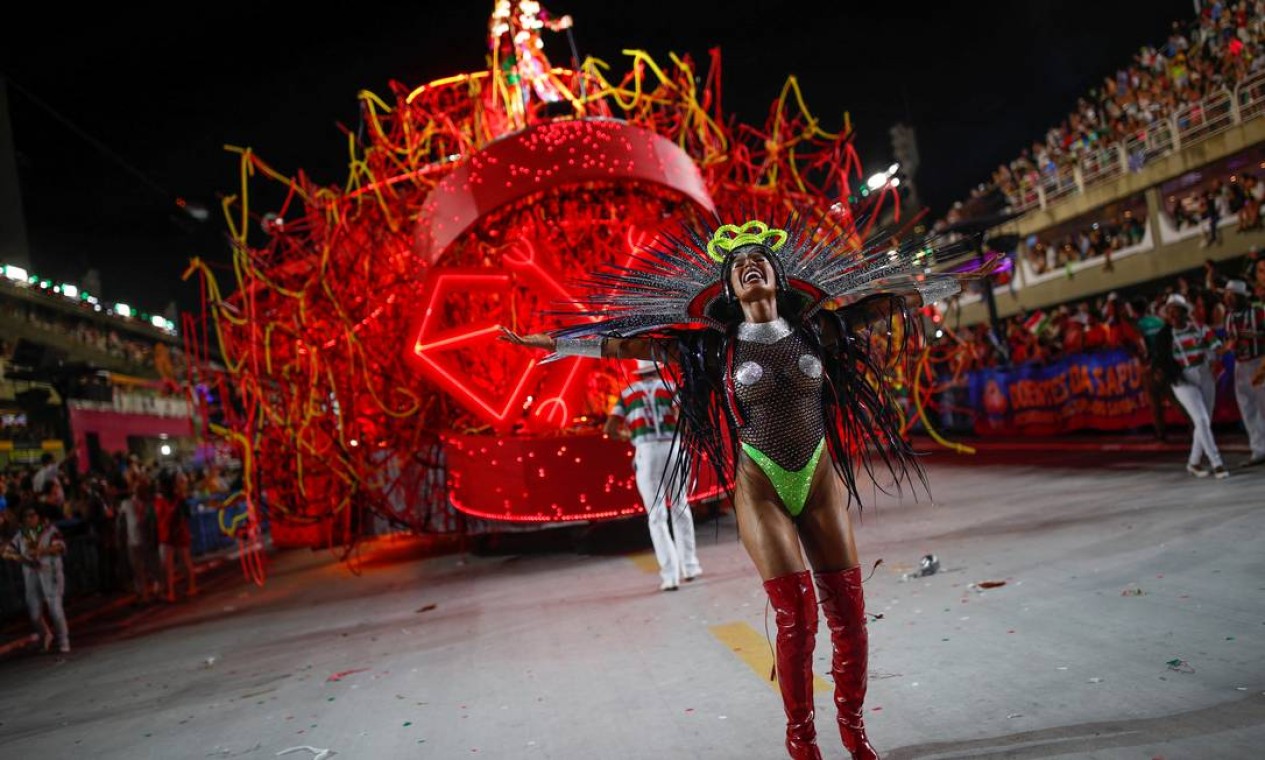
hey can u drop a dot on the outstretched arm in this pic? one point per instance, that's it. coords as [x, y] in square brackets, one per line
[607, 348]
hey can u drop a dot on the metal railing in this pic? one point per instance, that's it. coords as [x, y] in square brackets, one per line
[1191, 123]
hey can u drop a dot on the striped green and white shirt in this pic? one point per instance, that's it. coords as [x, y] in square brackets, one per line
[646, 408]
[1194, 344]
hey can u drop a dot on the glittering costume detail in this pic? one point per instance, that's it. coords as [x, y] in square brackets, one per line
[778, 389]
[748, 374]
[764, 332]
[810, 366]
[782, 410]
[791, 487]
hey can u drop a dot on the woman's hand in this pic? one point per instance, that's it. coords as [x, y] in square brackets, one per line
[535, 340]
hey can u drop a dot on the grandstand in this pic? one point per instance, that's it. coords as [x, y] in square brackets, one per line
[1127, 191]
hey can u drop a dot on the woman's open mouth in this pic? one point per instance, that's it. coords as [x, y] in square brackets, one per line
[752, 275]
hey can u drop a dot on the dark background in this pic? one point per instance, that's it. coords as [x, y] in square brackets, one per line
[154, 91]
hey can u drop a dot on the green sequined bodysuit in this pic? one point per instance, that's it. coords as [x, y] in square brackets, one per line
[777, 380]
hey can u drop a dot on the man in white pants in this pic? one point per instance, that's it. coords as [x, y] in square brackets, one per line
[646, 416]
[38, 545]
[1187, 350]
[1245, 331]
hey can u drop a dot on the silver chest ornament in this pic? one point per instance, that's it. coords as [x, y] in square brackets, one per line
[810, 366]
[749, 373]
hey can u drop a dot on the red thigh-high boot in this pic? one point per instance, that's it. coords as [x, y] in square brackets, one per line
[844, 605]
[795, 607]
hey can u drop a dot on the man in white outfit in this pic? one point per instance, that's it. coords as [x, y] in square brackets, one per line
[38, 545]
[1185, 351]
[1245, 332]
[645, 415]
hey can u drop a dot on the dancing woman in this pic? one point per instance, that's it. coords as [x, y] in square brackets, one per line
[781, 343]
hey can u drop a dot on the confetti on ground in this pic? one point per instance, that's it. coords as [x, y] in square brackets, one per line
[1180, 666]
[317, 753]
[1095, 680]
[991, 584]
[428, 608]
[340, 675]
[1015, 715]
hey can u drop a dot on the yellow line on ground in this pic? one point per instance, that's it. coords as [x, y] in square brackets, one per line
[750, 646]
[646, 562]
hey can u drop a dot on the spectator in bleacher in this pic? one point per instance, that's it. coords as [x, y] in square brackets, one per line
[1254, 191]
[1185, 351]
[1245, 335]
[1211, 216]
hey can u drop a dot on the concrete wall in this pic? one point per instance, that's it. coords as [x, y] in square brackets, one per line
[1163, 261]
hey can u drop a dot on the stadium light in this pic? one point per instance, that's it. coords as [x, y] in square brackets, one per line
[877, 181]
[158, 322]
[165, 449]
[17, 274]
[70, 291]
[123, 310]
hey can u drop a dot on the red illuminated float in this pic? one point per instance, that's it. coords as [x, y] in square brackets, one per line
[360, 339]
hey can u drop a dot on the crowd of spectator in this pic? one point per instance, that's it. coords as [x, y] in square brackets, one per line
[1098, 240]
[1216, 51]
[1107, 322]
[82, 330]
[1236, 197]
[130, 522]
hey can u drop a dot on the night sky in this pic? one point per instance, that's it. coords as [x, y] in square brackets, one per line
[164, 87]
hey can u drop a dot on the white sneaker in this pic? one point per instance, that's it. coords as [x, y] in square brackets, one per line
[668, 586]
[1197, 471]
[1220, 473]
[696, 574]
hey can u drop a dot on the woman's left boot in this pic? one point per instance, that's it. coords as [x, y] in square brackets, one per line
[843, 603]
